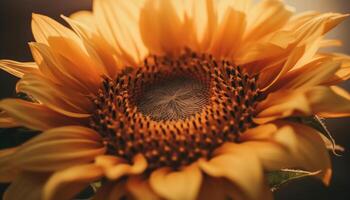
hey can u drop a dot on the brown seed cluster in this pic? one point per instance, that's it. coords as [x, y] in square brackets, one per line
[175, 110]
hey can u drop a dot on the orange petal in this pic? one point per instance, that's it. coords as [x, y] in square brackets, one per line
[318, 100]
[115, 167]
[220, 189]
[26, 186]
[7, 171]
[314, 73]
[203, 20]
[282, 104]
[58, 98]
[85, 17]
[6, 121]
[328, 102]
[53, 70]
[239, 166]
[183, 184]
[109, 58]
[18, 69]
[167, 33]
[35, 116]
[291, 146]
[140, 188]
[67, 183]
[343, 73]
[71, 52]
[229, 33]
[118, 21]
[267, 17]
[59, 148]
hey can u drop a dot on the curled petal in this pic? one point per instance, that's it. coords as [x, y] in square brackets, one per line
[183, 184]
[291, 146]
[115, 167]
[241, 167]
[319, 100]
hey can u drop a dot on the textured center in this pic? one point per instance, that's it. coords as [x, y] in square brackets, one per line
[173, 99]
[174, 109]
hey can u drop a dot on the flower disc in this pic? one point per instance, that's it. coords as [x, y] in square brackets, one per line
[175, 110]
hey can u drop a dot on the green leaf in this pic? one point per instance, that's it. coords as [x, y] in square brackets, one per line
[277, 178]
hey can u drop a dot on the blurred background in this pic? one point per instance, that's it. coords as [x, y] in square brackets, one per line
[15, 33]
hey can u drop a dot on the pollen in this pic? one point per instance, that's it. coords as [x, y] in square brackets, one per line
[174, 109]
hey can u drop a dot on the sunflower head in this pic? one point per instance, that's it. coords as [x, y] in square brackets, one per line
[175, 110]
[168, 99]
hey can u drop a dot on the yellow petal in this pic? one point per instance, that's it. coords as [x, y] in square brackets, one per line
[109, 58]
[291, 146]
[18, 69]
[282, 104]
[60, 99]
[115, 167]
[273, 149]
[311, 151]
[229, 33]
[71, 52]
[318, 100]
[77, 63]
[7, 171]
[26, 186]
[161, 28]
[59, 148]
[203, 21]
[67, 183]
[328, 102]
[183, 184]
[85, 17]
[343, 73]
[44, 28]
[220, 189]
[261, 131]
[118, 23]
[35, 116]
[314, 73]
[6, 121]
[269, 75]
[267, 17]
[239, 166]
[140, 188]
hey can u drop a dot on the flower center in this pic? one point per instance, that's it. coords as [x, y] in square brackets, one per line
[173, 99]
[174, 110]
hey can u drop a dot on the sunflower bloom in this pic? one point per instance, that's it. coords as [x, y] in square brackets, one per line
[168, 99]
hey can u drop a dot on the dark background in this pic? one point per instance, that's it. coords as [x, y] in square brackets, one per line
[15, 33]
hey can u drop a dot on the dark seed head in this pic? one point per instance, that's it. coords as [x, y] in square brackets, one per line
[174, 110]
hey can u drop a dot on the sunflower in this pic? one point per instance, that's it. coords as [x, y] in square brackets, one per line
[168, 99]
